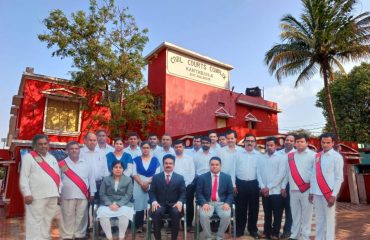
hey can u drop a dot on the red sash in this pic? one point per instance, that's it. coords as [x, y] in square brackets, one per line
[303, 186]
[323, 185]
[46, 167]
[74, 178]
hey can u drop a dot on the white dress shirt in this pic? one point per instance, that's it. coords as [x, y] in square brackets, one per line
[86, 172]
[108, 148]
[201, 161]
[98, 159]
[184, 166]
[34, 181]
[191, 151]
[246, 163]
[228, 160]
[332, 169]
[271, 171]
[304, 162]
[133, 152]
[160, 152]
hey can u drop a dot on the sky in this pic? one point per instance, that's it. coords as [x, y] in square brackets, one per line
[237, 32]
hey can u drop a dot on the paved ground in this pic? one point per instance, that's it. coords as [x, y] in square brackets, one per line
[353, 222]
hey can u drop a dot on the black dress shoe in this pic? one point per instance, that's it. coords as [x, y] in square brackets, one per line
[255, 235]
[285, 235]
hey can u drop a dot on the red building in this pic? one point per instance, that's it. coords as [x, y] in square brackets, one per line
[51, 106]
[193, 92]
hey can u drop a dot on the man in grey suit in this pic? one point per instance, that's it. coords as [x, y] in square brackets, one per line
[167, 194]
[215, 194]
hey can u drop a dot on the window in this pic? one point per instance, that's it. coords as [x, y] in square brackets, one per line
[158, 103]
[251, 125]
[221, 122]
[61, 116]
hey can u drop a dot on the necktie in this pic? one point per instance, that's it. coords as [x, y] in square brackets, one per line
[214, 188]
[168, 179]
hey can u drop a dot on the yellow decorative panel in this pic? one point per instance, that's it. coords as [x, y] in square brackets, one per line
[62, 116]
[221, 122]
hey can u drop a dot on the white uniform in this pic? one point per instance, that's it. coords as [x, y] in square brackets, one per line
[99, 161]
[299, 204]
[201, 161]
[74, 202]
[159, 154]
[133, 152]
[332, 169]
[108, 148]
[35, 182]
[228, 159]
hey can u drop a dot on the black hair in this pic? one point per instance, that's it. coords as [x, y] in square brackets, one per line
[170, 156]
[301, 135]
[211, 131]
[230, 131]
[118, 139]
[222, 134]
[328, 135]
[250, 135]
[152, 135]
[38, 137]
[71, 143]
[177, 142]
[143, 143]
[100, 131]
[206, 138]
[115, 163]
[215, 158]
[291, 134]
[132, 134]
[274, 139]
[197, 137]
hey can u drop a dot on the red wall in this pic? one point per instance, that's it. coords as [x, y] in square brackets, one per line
[31, 112]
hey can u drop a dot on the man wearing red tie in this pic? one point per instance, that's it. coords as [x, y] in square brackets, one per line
[215, 194]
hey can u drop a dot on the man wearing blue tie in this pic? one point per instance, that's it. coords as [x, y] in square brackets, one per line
[215, 193]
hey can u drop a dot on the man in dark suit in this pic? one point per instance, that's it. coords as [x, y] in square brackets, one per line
[167, 194]
[215, 193]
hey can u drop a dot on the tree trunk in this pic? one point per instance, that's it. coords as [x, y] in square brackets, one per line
[331, 115]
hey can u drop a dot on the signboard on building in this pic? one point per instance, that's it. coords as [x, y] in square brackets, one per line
[197, 70]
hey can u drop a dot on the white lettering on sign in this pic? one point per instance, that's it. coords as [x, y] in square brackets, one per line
[196, 70]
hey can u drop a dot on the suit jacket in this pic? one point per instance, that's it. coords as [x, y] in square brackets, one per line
[204, 188]
[167, 194]
[122, 196]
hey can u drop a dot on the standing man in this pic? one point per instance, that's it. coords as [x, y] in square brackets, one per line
[185, 167]
[153, 142]
[222, 140]
[299, 165]
[228, 155]
[133, 145]
[98, 160]
[165, 149]
[201, 159]
[167, 194]
[248, 192]
[78, 189]
[213, 136]
[102, 141]
[326, 181]
[40, 185]
[215, 193]
[270, 174]
[197, 146]
[288, 148]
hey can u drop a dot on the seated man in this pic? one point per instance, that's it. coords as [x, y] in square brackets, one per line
[167, 194]
[215, 194]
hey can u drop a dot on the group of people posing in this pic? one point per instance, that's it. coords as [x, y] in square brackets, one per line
[216, 172]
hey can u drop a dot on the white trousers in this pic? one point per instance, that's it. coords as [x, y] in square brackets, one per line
[302, 214]
[39, 215]
[107, 227]
[325, 218]
[74, 218]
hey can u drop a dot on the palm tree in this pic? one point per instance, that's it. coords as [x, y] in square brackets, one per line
[326, 36]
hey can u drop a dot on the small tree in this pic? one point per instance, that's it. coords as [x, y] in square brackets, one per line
[351, 99]
[106, 47]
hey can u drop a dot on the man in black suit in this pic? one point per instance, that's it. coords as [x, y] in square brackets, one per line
[215, 192]
[167, 194]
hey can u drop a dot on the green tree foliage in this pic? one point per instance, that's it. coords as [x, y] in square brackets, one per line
[106, 47]
[326, 35]
[351, 99]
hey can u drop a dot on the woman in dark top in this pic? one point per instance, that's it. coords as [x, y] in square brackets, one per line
[120, 155]
[115, 196]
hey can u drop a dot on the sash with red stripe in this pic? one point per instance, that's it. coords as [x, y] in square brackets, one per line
[303, 186]
[46, 167]
[323, 185]
[74, 178]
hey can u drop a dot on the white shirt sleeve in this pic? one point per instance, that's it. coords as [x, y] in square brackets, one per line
[280, 176]
[338, 174]
[128, 171]
[92, 183]
[24, 183]
[259, 176]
